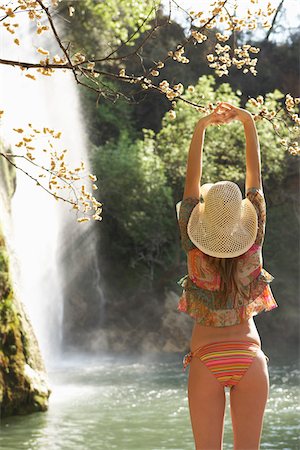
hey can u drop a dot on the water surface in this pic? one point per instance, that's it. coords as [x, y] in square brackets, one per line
[138, 404]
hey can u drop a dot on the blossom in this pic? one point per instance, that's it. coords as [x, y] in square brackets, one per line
[222, 37]
[41, 28]
[79, 57]
[58, 60]
[43, 51]
[10, 12]
[199, 37]
[177, 55]
[172, 114]
[260, 99]
[178, 87]
[97, 217]
[71, 10]
[91, 65]
[164, 85]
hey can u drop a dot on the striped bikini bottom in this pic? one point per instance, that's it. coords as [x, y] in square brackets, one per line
[227, 360]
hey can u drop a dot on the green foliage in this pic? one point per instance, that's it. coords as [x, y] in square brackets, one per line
[98, 27]
[134, 194]
[8, 315]
[3, 260]
[107, 120]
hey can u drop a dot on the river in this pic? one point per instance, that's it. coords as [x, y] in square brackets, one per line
[135, 403]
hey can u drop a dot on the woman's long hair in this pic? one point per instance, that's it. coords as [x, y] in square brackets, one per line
[227, 268]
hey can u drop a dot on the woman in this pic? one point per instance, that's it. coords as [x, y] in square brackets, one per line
[222, 235]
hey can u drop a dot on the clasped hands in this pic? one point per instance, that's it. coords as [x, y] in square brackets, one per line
[225, 113]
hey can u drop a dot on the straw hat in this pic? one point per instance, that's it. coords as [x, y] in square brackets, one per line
[223, 224]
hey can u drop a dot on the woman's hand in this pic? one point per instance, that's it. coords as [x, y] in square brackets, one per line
[217, 117]
[235, 113]
[224, 113]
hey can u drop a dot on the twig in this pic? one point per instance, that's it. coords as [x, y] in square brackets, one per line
[34, 179]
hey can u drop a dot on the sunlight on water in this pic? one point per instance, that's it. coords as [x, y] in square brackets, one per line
[129, 405]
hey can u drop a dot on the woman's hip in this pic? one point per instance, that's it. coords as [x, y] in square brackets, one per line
[230, 353]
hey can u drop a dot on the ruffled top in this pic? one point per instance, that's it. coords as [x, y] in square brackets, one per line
[201, 296]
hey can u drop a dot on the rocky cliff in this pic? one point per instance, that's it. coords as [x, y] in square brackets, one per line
[23, 381]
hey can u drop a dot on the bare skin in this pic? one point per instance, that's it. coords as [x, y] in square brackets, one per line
[205, 394]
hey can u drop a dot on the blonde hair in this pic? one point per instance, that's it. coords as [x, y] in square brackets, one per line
[227, 268]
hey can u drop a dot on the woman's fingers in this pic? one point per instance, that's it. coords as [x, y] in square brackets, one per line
[222, 106]
[229, 105]
[223, 113]
[227, 116]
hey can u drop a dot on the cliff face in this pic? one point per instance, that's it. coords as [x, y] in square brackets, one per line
[23, 382]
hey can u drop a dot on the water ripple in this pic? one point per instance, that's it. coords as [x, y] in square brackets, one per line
[130, 404]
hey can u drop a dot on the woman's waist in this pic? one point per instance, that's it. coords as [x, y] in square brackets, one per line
[203, 335]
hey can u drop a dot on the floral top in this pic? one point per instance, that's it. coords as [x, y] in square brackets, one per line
[201, 296]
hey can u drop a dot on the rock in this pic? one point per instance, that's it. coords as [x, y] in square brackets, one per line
[176, 326]
[23, 383]
[172, 333]
[151, 343]
[39, 390]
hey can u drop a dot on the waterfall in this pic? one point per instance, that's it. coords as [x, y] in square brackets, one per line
[51, 248]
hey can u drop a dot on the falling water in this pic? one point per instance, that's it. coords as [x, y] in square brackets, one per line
[45, 231]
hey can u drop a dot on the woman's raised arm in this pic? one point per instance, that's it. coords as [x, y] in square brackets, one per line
[253, 162]
[194, 161]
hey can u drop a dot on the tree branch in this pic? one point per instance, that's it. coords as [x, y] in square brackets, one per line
[274, 20]
[4, 155]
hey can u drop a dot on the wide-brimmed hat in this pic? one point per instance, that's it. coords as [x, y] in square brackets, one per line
[223, 224]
